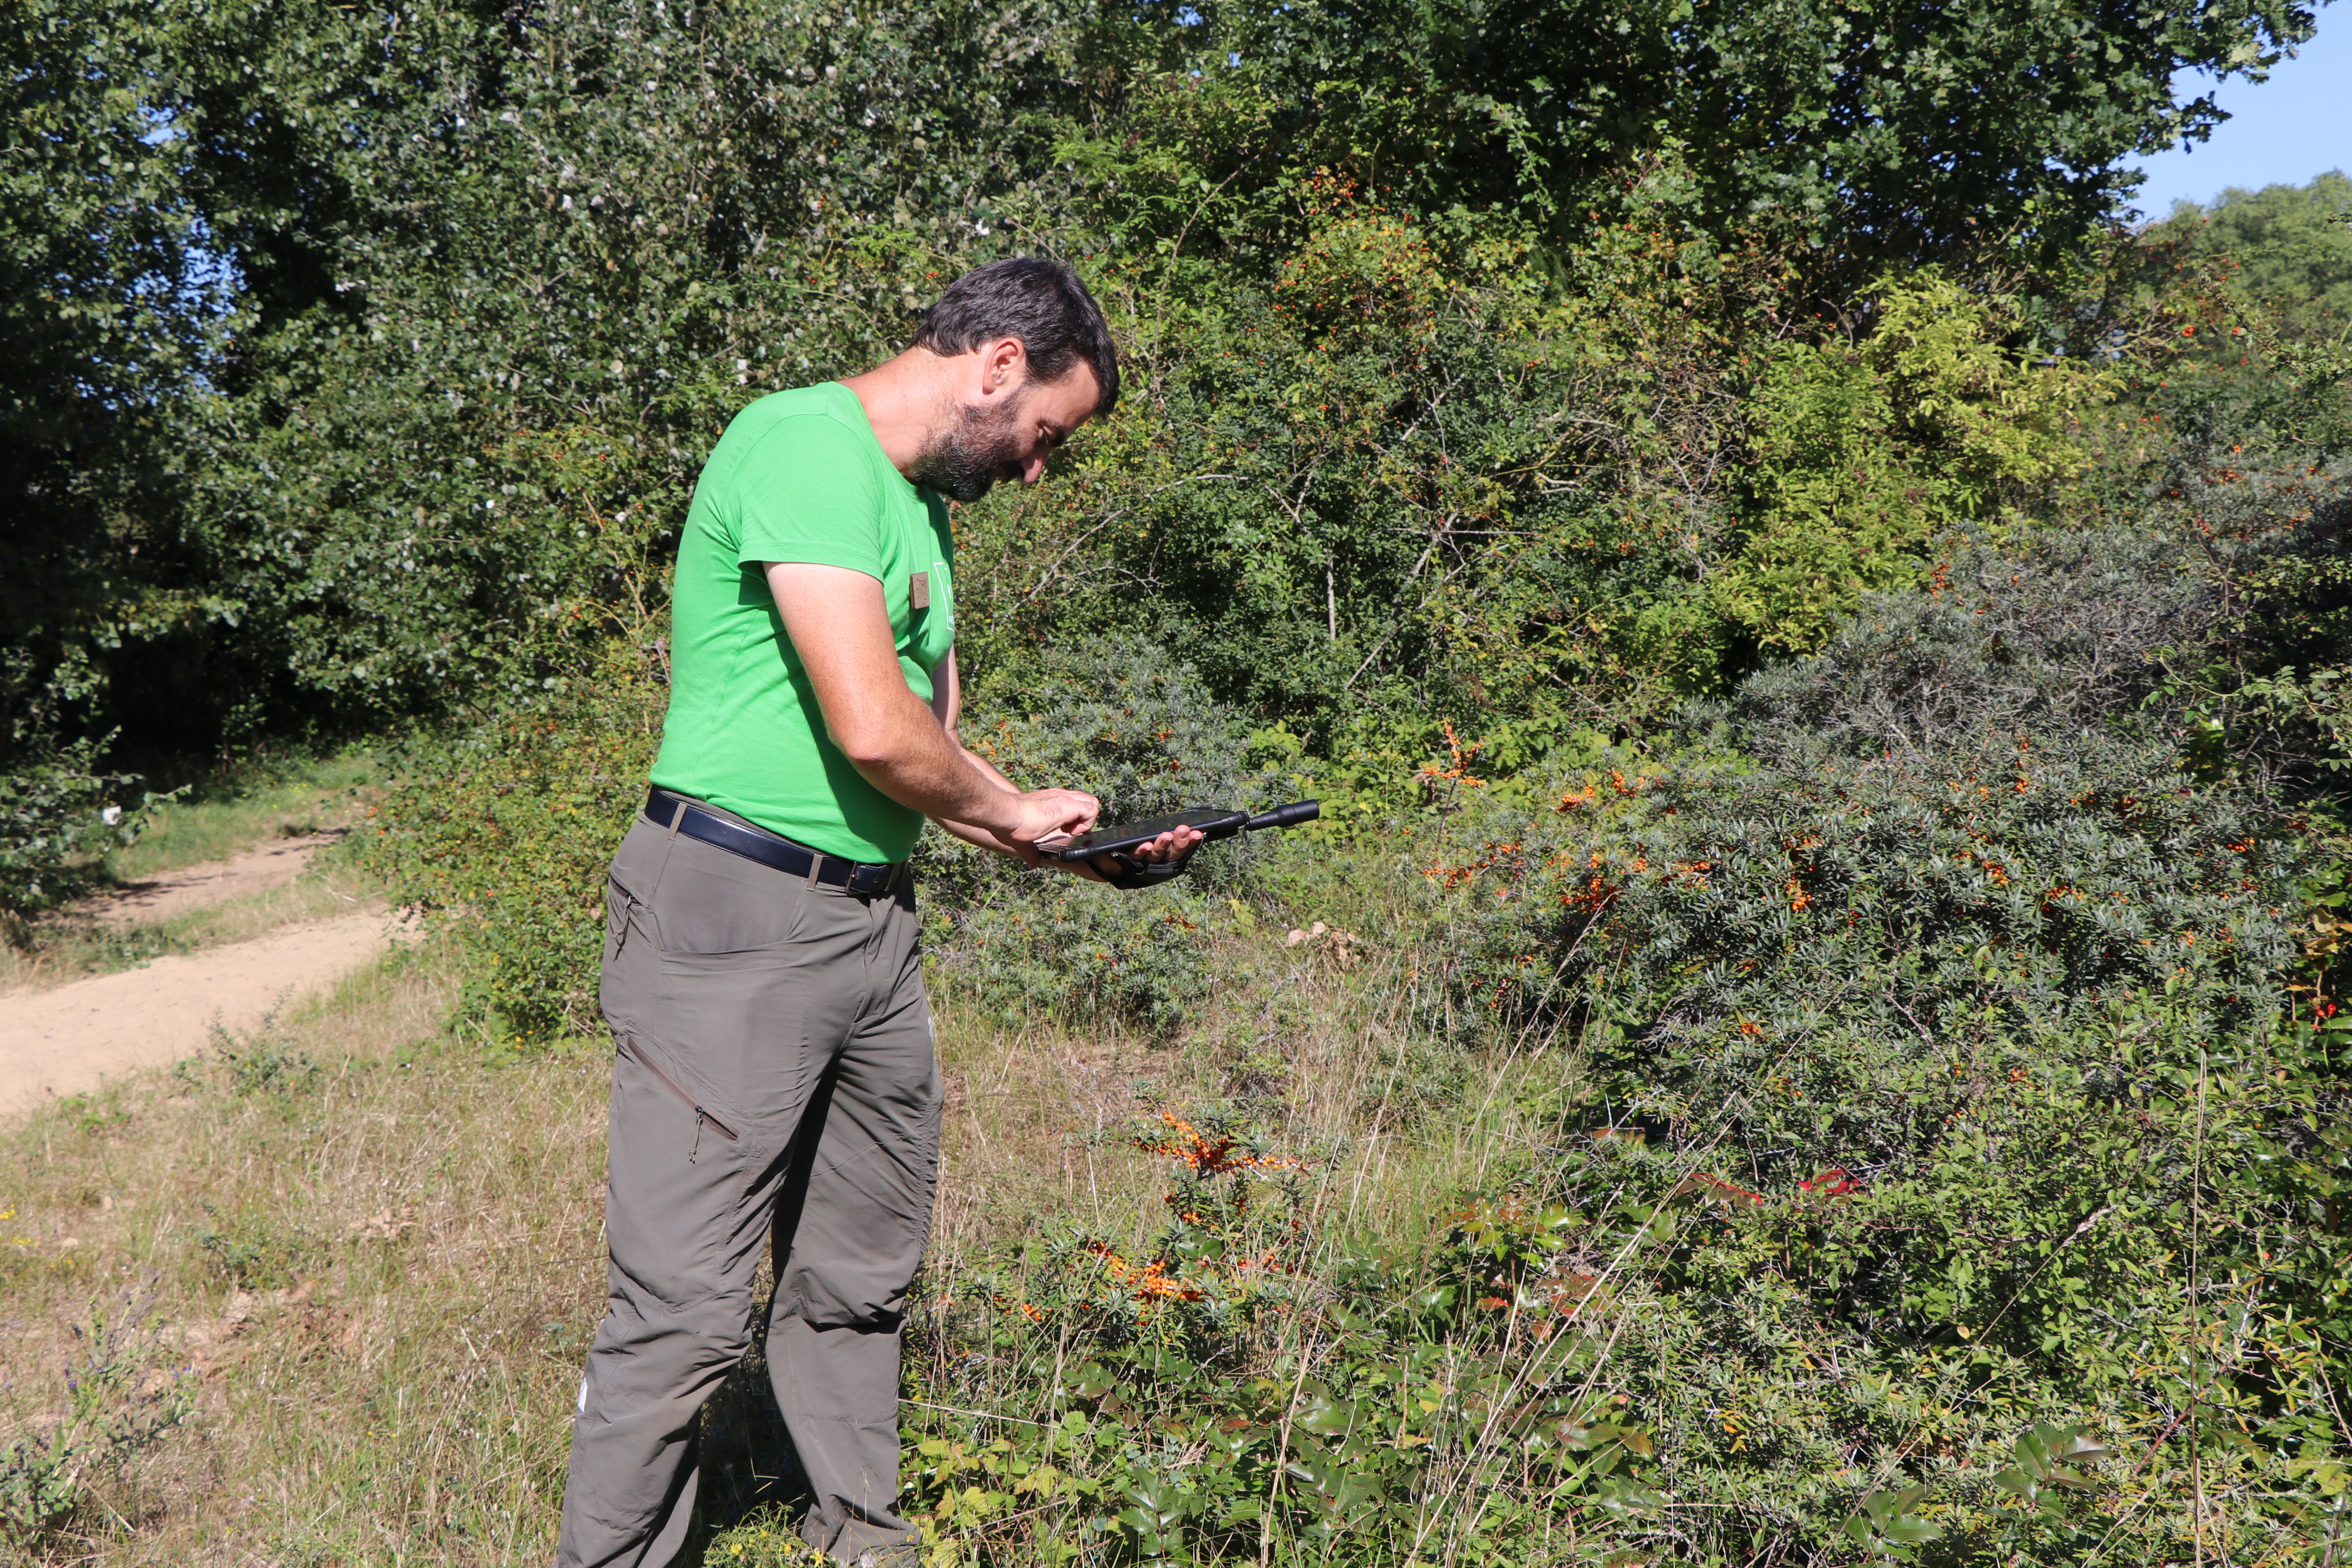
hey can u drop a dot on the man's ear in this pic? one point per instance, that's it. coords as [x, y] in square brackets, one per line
[1005, 364]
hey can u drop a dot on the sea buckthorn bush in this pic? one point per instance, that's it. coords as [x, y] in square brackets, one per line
[1991, 1055]
[1232, 1387]
[1627, 1355]
[1711, 923]
[1958, 1080]
[2055, 635]
[1952, 1175]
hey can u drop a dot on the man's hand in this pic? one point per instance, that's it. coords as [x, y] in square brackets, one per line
[1171, 846]
[1051, 815]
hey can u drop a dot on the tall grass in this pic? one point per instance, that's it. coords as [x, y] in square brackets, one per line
[362, 1259]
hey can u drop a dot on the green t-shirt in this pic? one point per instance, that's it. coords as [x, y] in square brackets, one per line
[797, 476]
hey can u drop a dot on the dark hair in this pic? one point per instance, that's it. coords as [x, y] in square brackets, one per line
[1040, 302]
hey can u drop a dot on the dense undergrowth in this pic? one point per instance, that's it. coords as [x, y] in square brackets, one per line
[1926, 1078]
[1929, 1084]
[1948, 1167]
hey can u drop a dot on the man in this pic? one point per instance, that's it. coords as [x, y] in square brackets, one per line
[774, 1081]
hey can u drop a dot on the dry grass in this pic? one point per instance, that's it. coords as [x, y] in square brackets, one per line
[1309, 1048]
[365, 1253]
[365, 1260]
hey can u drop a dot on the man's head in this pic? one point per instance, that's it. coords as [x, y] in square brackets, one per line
[1030, 361]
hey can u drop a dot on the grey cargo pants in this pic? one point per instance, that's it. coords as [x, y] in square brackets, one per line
[772, 1082]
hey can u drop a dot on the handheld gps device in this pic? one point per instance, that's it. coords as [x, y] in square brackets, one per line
[1207, 821]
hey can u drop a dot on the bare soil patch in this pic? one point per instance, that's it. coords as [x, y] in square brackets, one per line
[72, 1039]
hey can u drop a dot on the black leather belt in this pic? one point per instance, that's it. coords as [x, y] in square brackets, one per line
[793, 859]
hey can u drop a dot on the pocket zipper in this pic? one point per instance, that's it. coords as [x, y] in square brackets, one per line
[629, 913]
[701, 1115]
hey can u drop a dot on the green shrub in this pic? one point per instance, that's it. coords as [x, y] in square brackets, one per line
[507, 829]
[2058, 634]
[1071, 949]
[2286, 249]
[1953, 1040]
[261, 1064]
[1714, 925]
[1863, 453]
[1948, 1127]
[2253, 687]
[1629, 1358]
[60, 817]
[122, 1397]
[257, 1251]
[1804, 1346]
[1125, 720]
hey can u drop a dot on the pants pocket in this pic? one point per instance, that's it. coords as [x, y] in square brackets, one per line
[621, 909]
[713, 903]
[637, 1052]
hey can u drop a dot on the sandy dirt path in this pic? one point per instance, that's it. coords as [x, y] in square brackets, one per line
[75, 1037]
[266, 865]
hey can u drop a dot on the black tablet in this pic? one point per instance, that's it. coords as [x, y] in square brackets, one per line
[1212, 823]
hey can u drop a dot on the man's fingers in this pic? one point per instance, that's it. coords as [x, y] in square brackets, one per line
[1074, 811]
[1051, 815]
[1172, 845]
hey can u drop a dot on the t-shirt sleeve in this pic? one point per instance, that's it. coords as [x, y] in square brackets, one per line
[806, 494]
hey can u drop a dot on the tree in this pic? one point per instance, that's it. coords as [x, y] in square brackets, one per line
[1877, 134]
[2289, 248]
[349, 350]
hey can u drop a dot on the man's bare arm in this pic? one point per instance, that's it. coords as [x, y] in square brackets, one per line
[947, 706]
[840, 627]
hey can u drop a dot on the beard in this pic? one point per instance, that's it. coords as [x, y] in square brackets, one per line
[965, 461]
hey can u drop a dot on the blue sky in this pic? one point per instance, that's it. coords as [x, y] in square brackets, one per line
[2281, 131]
